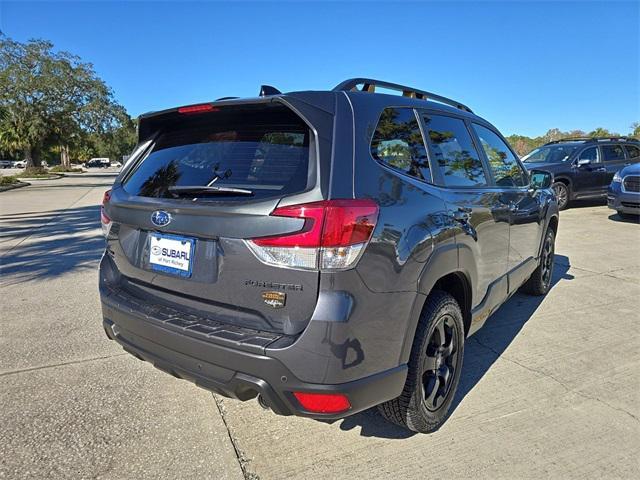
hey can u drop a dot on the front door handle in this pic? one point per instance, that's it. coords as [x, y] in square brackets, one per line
[601, 169]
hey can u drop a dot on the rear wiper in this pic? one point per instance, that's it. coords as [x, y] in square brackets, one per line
[208, 189]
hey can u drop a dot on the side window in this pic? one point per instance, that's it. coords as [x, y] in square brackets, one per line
[506, 170]
[454, 152]
[397, 142]
[632, 151]
[612, 152]
[590, 154]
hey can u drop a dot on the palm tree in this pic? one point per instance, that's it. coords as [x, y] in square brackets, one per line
[158, 184]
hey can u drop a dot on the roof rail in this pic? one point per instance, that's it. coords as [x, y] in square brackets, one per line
[594, 139]
[369, 85]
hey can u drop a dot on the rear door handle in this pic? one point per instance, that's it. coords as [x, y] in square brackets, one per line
[601, 169]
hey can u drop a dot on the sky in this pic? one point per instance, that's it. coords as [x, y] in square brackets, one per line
[524, 66]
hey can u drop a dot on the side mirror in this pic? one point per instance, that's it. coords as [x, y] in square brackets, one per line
[541, 179]
[583, 161]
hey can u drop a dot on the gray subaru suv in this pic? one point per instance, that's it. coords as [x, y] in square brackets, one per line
[324, 251]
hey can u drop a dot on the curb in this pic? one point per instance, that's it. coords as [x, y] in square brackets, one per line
[56, 176]
[20, 184]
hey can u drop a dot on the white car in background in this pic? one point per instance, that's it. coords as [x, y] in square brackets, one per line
[20, 164]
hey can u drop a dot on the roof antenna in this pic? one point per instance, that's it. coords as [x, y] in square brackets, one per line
[268, 90]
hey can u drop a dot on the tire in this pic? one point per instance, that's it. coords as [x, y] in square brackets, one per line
[562, 194]
[424, 403]
[539, 282]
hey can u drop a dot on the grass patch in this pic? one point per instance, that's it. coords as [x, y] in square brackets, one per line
[8, 180]
[34, 172]
[61, 169]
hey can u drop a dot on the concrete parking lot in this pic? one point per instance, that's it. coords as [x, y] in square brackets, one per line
[550, 387]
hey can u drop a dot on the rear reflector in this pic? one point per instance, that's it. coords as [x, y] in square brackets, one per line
[201, 108]
[332, 237]
[323, 402]
[104, 218]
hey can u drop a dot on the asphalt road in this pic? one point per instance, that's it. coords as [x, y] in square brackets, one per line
[550, 387]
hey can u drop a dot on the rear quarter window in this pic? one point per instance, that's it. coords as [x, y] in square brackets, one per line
[398, 143]
[266, 152]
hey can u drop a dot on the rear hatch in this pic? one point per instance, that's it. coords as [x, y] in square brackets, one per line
[204, 180]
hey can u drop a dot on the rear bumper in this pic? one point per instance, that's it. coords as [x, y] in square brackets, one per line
[233, 366]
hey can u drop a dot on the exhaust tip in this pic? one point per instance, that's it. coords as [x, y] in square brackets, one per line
[262, 402]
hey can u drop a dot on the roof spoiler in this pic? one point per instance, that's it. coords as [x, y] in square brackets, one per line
[370, 84]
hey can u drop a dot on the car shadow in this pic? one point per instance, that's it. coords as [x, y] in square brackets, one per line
[49, 243]
[481, 352]
[628, 219]
[587, 202]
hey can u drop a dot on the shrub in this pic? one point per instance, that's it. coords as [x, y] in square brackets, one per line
[8, 180]
[34, 172]
[61, 169]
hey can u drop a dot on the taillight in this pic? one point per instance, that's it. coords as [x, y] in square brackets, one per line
[323, 402]
[104, 218]
[333, 236]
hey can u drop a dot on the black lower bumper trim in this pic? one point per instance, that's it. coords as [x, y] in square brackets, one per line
[239, 374]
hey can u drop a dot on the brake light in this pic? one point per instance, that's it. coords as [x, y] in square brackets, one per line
[104, 218]
[323, 402]
[334, 234]
[200, 108]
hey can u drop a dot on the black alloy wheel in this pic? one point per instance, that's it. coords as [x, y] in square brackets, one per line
[540, 281]
[440, 363]
[434, 367]
[546, 262]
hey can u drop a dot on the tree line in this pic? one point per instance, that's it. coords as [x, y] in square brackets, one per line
[54, 107]
[523, 144]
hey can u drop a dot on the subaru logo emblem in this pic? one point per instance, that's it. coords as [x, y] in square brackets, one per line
[160, 218]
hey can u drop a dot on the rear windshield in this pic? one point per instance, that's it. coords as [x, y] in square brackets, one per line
[263, 152]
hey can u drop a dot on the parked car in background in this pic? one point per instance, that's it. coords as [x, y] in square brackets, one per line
[624, 191]
[583, 167]
[20, 164]
[6, 164]
[324, 251]
[116, 165]
[98, 163]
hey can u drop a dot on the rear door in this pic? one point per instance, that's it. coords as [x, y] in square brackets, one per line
[482, 216]
[525, 210]
[613, 159]
[175, 241]
[633, 154]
